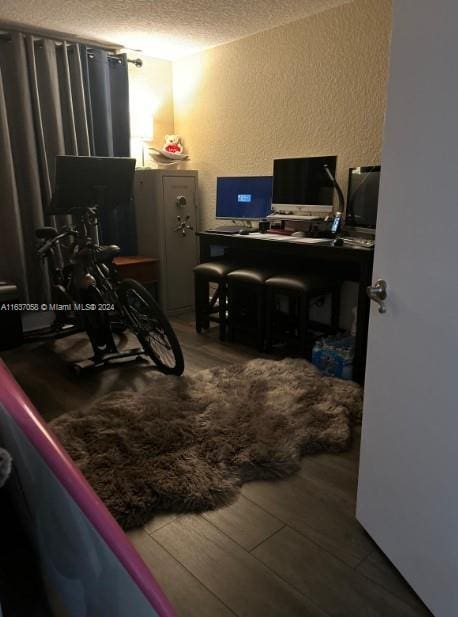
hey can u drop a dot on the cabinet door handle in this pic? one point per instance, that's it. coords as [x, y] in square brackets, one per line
[183, 226]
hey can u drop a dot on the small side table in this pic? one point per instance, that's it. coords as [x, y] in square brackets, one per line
[145, 270]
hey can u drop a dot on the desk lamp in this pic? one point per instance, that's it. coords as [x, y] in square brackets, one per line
[335, 184]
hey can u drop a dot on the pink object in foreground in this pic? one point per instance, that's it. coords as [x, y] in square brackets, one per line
[24, 415]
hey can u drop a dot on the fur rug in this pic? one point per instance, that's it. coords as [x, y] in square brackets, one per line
[187, 444]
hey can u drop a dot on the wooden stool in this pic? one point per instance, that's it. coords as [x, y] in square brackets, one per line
[204, 274]
[301, 288]
[247, 283]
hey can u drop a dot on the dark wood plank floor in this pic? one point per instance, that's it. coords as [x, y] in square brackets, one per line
[283, 549]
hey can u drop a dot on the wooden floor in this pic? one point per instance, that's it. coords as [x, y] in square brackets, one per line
[283, 549]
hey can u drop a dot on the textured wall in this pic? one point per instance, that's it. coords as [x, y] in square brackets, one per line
[161, 28]
[151, 98]
[316, 86]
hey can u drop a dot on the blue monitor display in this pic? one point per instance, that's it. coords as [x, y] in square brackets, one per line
[246, 197]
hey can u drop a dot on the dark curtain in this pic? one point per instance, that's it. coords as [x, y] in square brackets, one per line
[55, 98]
[107, 102]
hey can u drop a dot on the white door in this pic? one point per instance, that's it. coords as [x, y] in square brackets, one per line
[408, 487]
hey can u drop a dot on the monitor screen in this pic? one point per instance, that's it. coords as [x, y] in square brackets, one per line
[362, 198]
[83, 181]
[246, 197]
[303, 182]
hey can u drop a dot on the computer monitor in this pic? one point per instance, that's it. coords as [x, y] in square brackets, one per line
[85, 181]
[302, 182]
[244, 197]
[362, 198]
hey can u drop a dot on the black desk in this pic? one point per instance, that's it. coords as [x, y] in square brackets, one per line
[347, 263]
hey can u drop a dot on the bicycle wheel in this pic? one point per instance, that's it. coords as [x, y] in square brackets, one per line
[96, 323]
[151, 327]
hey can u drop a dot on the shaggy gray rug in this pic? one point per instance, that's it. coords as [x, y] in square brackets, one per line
[187, 444]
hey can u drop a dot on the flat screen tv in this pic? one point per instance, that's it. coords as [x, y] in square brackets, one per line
[243, 197]
[362, 198]
[303, 182]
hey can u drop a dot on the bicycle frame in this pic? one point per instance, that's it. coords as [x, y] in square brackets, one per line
[90, 286]
[102, 303]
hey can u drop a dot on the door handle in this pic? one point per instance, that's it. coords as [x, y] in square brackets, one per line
[377, 293]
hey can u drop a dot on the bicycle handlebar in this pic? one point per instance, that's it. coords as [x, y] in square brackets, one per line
[50, 243]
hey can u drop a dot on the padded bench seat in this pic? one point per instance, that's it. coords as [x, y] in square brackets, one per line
[300, 289]
[302, 283]
[214, 270]
[245, 284]
[204, 274]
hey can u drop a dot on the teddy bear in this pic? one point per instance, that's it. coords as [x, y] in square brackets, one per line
[172, 144]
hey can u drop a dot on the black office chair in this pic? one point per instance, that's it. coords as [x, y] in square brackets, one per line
[212, 308]
[300, 289]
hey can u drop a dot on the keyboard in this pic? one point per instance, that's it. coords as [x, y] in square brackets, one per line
[294, 217]
[282, 238]
[362, 242]
[227, 229]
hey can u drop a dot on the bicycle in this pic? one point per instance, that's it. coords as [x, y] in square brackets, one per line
[93, 298]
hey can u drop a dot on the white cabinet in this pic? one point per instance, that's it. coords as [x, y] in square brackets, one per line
[166, 218]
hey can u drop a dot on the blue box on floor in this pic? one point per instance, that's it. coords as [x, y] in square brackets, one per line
[334, 356]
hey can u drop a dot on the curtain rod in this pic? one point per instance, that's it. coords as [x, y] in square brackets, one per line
[137, 61]
[5, 36]
[57, 36]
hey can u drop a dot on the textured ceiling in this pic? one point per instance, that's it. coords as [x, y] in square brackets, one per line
[161, 28]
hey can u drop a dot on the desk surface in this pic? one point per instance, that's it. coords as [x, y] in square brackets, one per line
[308, 247]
